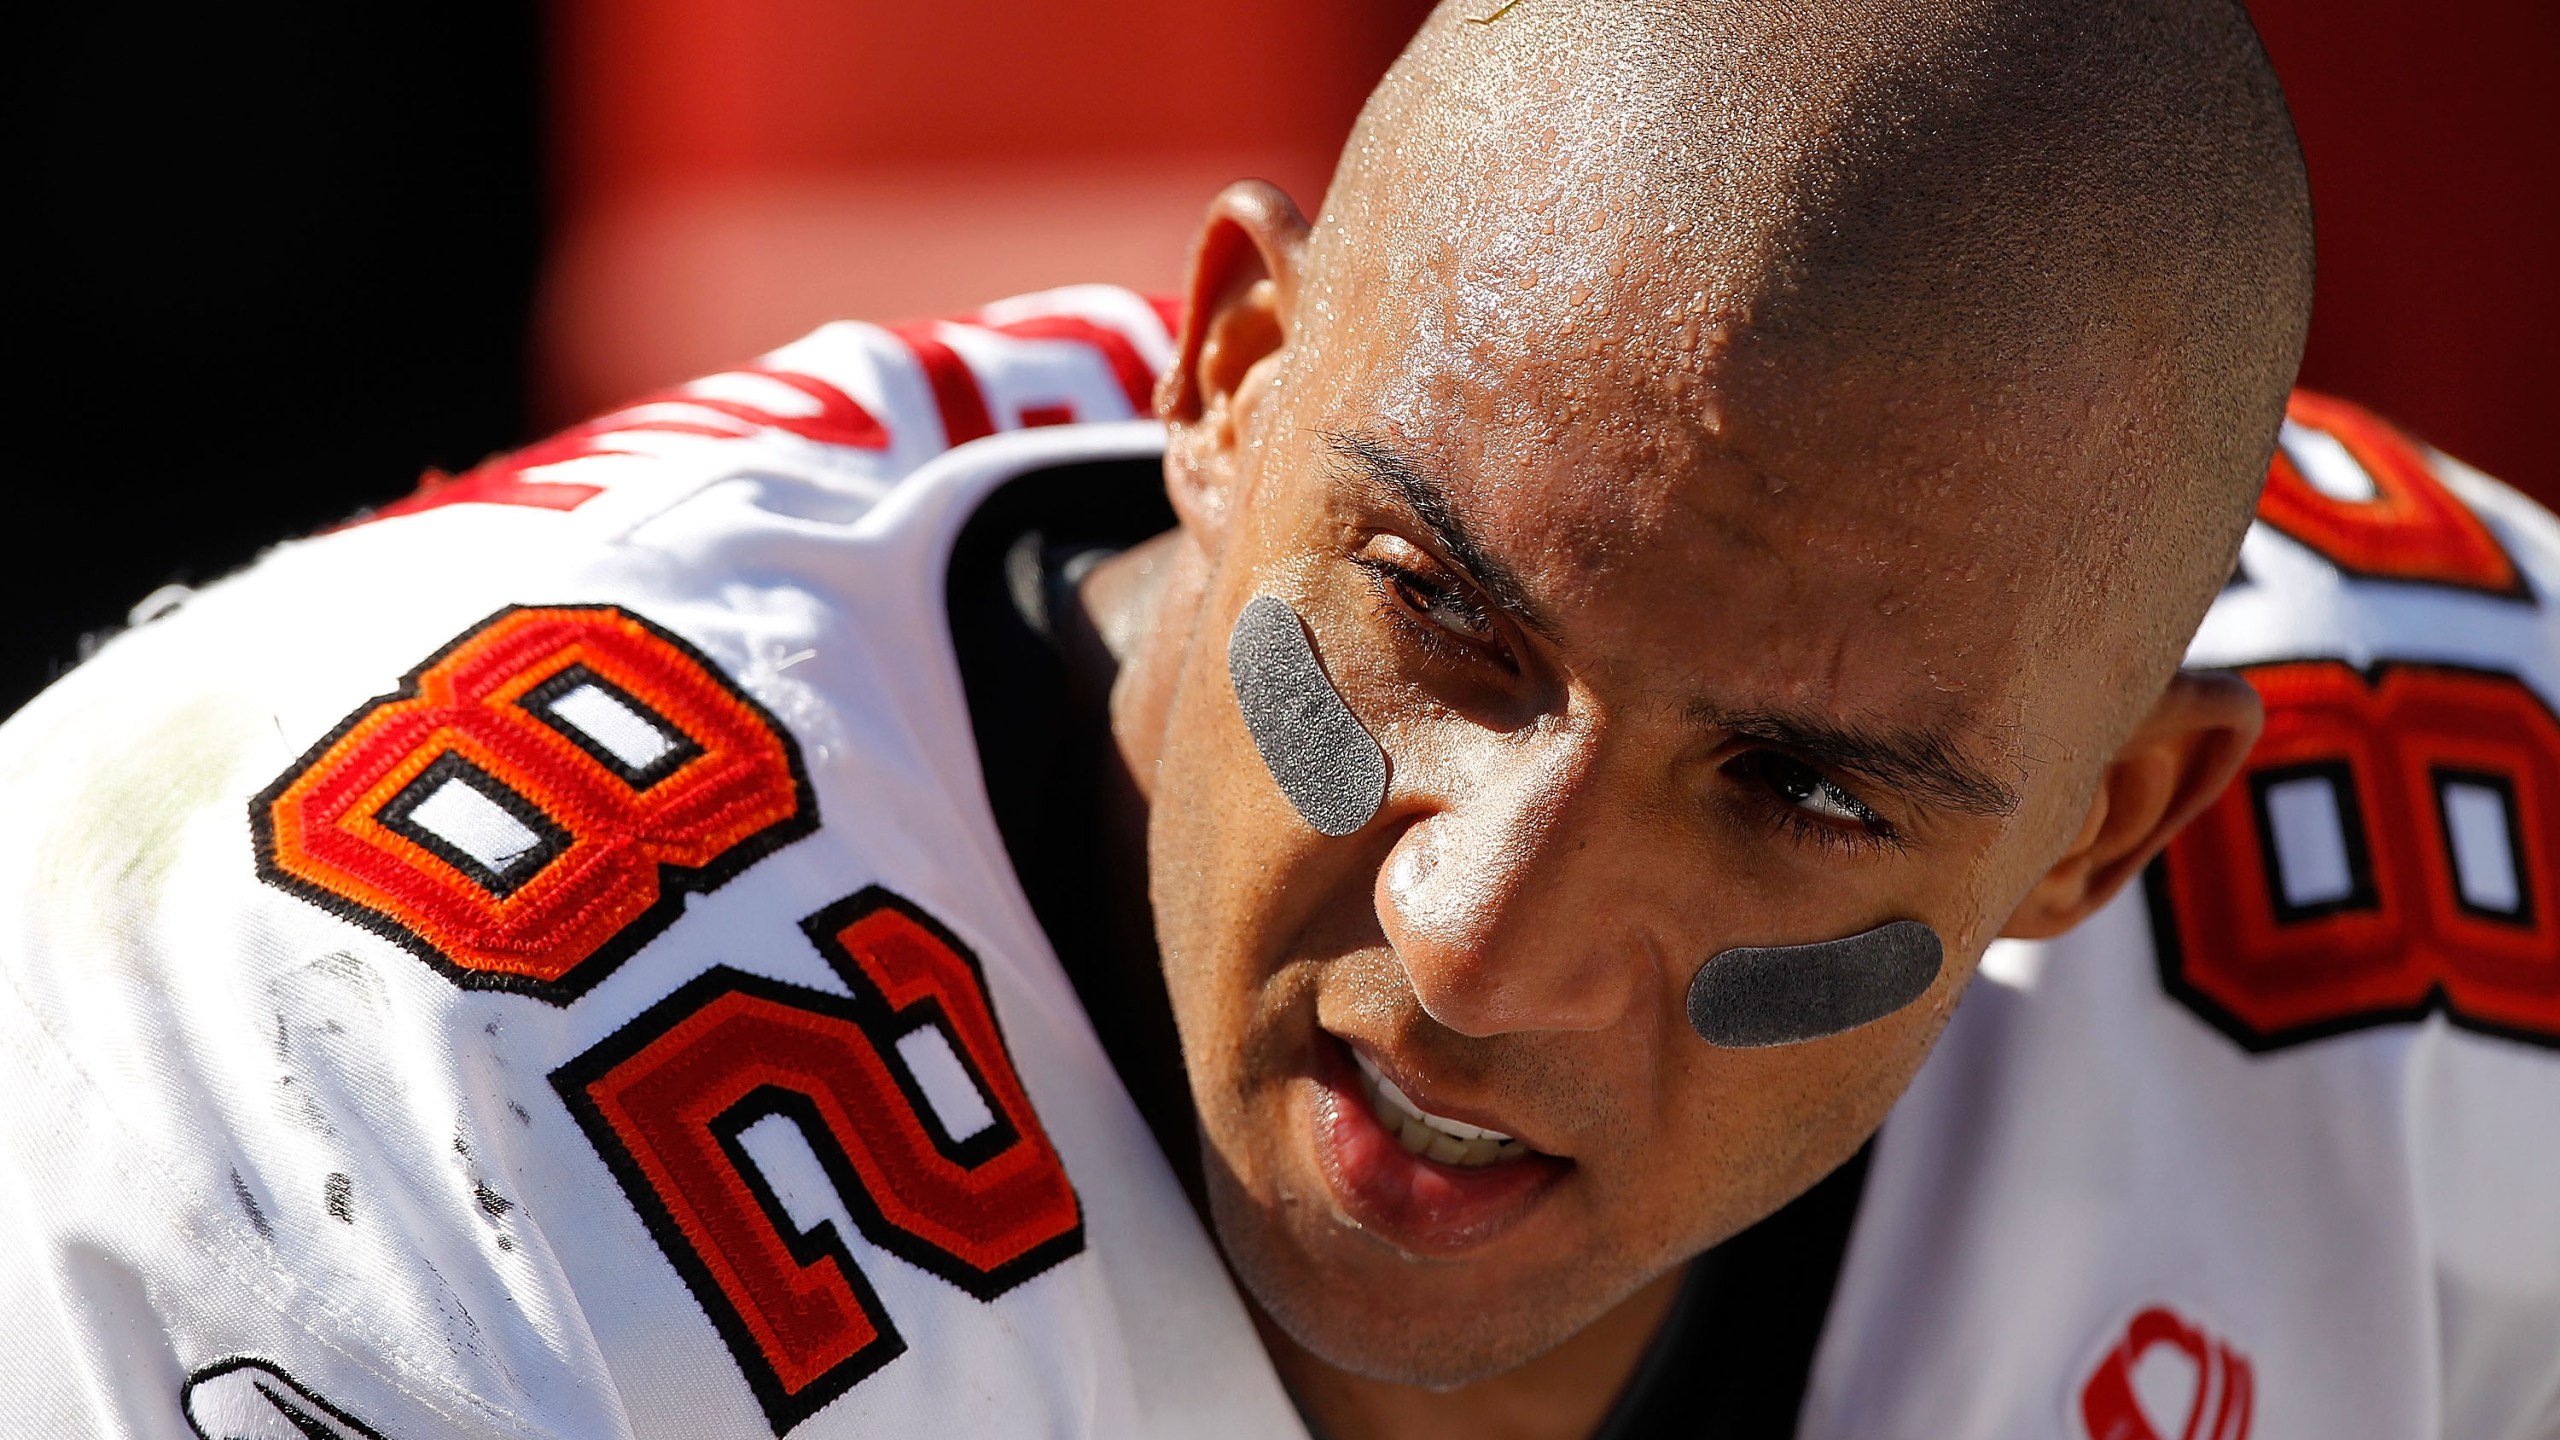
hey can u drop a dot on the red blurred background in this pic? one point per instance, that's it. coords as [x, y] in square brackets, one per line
[731, 172]
[275, 264]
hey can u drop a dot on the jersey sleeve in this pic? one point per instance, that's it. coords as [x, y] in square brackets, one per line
[537, 962]
[867, 403]
[233, 1179]
[2371, 912]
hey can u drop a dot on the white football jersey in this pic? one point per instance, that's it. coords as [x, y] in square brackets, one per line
[543, 964]
[540, 963]
[2269, 1148]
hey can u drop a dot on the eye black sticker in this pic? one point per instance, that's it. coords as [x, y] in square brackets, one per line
[1754, 996]
[1324, 762]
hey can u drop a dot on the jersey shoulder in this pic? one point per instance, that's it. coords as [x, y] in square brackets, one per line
[2263, 1144]
[2371, 546]
[861, 403]
[484, 961]
[2392, 846]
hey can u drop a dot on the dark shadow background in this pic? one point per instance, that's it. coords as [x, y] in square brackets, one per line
[275, 260]
[272, 260]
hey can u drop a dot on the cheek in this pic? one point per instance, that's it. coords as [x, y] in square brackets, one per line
[1229, 863]
[1191, 882]
[2004, 872]
[1740, 1133]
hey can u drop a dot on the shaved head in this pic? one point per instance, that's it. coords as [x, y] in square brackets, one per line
[1752, 469]
[2091, 215]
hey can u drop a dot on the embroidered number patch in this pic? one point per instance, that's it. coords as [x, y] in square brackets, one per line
[246, 1399]
[533, 802]
[905, 1097]
[2349, 485]
[2389, 850]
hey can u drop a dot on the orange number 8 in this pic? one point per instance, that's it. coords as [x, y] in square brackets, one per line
[532, 804]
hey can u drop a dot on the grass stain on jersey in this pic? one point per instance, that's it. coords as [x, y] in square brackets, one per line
[124, 833]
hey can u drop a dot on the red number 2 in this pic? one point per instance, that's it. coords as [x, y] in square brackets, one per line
[908, 1099]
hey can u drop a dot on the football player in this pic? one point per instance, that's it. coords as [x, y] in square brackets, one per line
[1462, 769]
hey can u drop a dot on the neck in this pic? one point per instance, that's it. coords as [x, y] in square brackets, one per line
[1564, 1394]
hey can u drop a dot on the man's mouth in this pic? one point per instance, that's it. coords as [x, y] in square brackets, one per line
[1424, 1182]
[1451, 1142]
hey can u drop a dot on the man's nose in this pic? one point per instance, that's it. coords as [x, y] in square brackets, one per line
[1502, 900]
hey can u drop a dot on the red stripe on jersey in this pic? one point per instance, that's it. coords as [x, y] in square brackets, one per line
[840, 420]
[955, 386]
[1136, 380]
[500, 480]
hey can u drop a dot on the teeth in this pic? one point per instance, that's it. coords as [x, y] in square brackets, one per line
[1451, 1142]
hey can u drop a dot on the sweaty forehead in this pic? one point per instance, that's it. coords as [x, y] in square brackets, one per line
[1500, 273]
[1977, 313]
[2041, 261]
[1574, 165]
[1591, 386]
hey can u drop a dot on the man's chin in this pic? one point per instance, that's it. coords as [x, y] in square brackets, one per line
[1434, 1325]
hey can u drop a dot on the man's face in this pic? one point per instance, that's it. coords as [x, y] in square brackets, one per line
[1674, 645]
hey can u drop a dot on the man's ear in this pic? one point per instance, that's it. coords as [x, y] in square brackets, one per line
[2180, 757]
[1239, 315]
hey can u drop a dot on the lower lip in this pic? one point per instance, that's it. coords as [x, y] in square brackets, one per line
[1412, 1202]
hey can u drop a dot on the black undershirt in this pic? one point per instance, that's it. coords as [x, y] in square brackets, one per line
[1732, 1358]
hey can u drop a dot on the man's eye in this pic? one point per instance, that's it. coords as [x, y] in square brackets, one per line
[1439, 611]
[1805, 788]
[1449, 608]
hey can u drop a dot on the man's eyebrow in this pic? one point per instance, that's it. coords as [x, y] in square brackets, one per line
[1925, 764]
[1411, 484]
